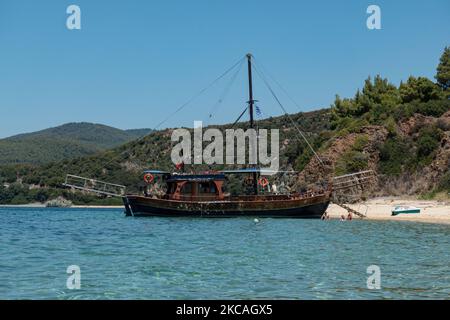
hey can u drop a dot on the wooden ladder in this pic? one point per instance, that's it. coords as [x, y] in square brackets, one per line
[359, 214]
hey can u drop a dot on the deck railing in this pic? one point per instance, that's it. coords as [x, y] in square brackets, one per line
[358, 179]
[95, 186]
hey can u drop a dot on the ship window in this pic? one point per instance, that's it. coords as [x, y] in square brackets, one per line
[187, 188]
[207, 187]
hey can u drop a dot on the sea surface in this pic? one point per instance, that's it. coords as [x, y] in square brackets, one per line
[237, 258]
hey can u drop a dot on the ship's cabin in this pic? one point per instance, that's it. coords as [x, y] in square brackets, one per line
[210, 187]
[195, 187]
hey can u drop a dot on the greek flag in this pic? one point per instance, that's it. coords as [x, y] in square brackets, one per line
[258, 111]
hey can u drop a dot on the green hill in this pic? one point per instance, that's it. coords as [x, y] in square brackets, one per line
[67, 141]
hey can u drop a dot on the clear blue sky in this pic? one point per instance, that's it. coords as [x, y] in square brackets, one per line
[133, 62]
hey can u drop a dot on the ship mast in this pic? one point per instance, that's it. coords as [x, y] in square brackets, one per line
[250, 110]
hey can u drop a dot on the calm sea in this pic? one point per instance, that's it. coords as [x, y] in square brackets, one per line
[180, 258]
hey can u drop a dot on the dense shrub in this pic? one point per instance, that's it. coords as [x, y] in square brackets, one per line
[434, 108]
[352, 161]
[444, 183]
[395, 154]
[427, 142]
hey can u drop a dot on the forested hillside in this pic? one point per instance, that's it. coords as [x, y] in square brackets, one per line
[67, 141]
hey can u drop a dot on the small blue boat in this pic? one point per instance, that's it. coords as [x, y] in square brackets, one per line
[405, 209]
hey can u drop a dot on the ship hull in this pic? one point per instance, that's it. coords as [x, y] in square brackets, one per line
[309, 208]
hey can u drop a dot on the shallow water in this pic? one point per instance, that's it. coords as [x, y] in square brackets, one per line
[182, 258]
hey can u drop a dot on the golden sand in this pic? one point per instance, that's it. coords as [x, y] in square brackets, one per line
[380, 209]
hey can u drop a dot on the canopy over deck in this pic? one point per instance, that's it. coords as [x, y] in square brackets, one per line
[255, 170]
[156, 172]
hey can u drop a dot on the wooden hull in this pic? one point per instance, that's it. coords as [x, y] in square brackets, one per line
[310, 208]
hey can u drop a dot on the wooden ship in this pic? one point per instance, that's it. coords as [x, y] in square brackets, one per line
[203, 194]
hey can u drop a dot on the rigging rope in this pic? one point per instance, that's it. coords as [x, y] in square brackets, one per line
[239, 118]
[259, 65]
[126, 153]
[199, 93]
[225, 91]
[287, 114]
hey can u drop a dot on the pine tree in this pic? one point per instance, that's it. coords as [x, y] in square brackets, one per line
[443, 70]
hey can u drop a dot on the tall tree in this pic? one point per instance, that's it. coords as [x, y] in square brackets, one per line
[443, 70]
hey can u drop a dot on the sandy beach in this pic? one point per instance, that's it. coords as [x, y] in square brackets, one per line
[380, 209]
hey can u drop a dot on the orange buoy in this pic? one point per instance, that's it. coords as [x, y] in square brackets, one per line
[148, 178]
[263, 182]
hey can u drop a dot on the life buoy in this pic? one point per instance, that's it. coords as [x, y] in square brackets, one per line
[148, 178]
[263, 181]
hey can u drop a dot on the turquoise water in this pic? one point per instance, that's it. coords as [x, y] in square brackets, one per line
[180, 258]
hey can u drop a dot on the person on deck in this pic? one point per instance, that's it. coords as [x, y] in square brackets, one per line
[274, 188]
